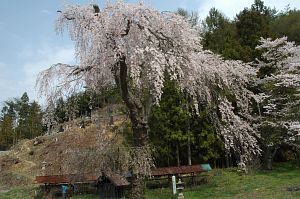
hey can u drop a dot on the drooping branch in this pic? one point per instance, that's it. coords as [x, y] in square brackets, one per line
[134, 46]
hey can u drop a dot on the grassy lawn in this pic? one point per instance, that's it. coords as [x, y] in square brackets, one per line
[18, 192]
[28, 193]
[229, 184]
[222, 183]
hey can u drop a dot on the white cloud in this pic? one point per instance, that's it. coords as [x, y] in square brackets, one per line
[43, 58]
[17, 79]
[7, 88]
[231, 7]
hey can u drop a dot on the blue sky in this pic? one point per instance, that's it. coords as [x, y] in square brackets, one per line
[29, 44]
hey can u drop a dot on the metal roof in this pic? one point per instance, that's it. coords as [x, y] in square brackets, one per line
[177, 170]
[114, 178]
[62, 179]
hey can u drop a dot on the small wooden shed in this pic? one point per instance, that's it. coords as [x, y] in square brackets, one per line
[51, 185]
[112, 186]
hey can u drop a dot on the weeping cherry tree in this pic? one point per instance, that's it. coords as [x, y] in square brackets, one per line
[133, 47]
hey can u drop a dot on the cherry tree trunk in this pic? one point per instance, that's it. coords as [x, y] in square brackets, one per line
[227, 160]
[140, 139]
[268, 158]
[138, 117]
[177, 154]
[298, 157]
[189, 152]
[138, 188]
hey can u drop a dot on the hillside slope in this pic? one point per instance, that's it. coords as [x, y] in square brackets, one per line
[77, 150]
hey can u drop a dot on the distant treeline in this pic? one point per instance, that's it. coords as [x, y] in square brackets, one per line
[22, 119]
[237, 39]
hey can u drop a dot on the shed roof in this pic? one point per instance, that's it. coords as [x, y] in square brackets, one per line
[53, 179]
[67, 178]
[177, 170]
[116, 179]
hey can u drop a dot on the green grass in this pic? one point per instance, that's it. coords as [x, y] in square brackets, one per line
[229, 184]
[19, 192]
[29, 192]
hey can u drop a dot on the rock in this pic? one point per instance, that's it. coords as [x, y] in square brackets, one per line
[37, 141]
[293, 188]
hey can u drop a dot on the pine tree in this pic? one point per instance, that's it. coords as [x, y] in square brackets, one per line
[11, 109]
[169, 124]
[35, 120]
[288, 24]
[220, 35]
[6, 132]
[177, 133]
[60, 111]
[24, 111]
[252, 24]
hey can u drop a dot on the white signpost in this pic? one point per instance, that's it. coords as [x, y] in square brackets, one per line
[174, 185]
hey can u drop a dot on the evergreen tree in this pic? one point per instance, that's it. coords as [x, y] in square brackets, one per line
[84, 103]
[11, 108]
[169, 125]
[60, 111]
[72, 108]
[35, 120]
[24, 111]
[207, 144]
[252, 24]
[20, 119]
[288, 24]
[6, 132]
[176, 132]
[220, 35]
